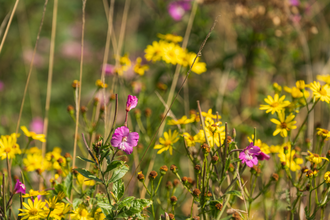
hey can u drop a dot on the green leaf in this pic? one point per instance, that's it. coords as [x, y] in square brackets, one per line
[68, 185]
[118, 189]
[85, 159]
[235, 193]
[113, 165]
[76, 202]
[226, 218]
[104, 154]
[126, 202]
[105, 207]
[88, 174]
[136, 207]
[118, 174]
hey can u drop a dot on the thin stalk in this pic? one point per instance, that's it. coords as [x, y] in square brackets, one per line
[151, 197]
[160, 179]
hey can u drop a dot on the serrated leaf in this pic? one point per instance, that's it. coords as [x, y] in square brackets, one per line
[118, 189]
[88, 174]
[235, 193]
[126, 202]
[68, 184]
[136, 207]
[76, 202]
[113, 165]
[118, 174]
[107, 207]
[85, 159]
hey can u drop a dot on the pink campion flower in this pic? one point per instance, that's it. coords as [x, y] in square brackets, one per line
[37, 125]
[19, 187]
[178, 9]
[251, 154]
[131, 102]
[109, 69]
[294, 2]
[124, 140]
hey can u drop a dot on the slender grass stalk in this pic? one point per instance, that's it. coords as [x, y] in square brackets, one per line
[8, 25]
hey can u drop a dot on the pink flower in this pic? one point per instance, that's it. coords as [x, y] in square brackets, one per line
[294, 2]
[131, 102]
[178, 9]
[109, 69]
[19, 187]
[251, 154]
[37, 125]
[124, 140]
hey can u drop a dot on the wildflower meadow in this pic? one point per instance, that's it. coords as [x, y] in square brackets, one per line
[165, 109]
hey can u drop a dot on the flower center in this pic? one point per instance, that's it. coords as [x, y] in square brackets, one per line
[325, 131]
[323, 92]
[122, 144]
[283, 125]
[274, 104]
[7, 150]
[191, 138]
[248, 156]
[33, 211]
[168, 142]
[83, 213]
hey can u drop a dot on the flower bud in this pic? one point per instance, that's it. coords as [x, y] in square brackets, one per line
[231, 167]
[197, 169]
[173, 200]
[275, 177]
[214, 159]
[284, 166]
[137, 113]
[175, 182]
[75, 84]
[96, 101]
[184, 180]
[147, 112]
[236, 216]
[174, 169]
[310, 173]
[285, 149]
[83, 109]
[169, 185]
[218, 206]
[152, 175]
[70, 109]
[163, 170]
[297, 149]
[172, 217]
[196, 218]
[191, 182]
[206, 149]
[140, 176]
[308, 186]
[196, 192]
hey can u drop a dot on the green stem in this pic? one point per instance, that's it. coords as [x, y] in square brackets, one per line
[151, 197]
[160, 179]
[192, 208]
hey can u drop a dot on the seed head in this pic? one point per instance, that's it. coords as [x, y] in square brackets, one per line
[75, 84]
[206, 148]
[171, 216]
[184, 180]
[218, 206]
[83, 109]
[196, 192]
[147, 112]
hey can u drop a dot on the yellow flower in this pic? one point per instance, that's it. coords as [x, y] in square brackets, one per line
[324, 78]
[34, 162]
[192, 140]
[211, 125]
[62, 210]
[53, 158]
[214, 132]
[125, 64]
[81, 214]
[138, 68]
[315, 158]
[33, 150]
[199, 67]
[323, 133]
[275, 104]
[8, 146]
[296, 92]
[284, 124]
[327, 177]
[300, 84]
[263, 146]
[33, 210]
[167, 142]
[173, 53]
[292, 163]
[100, 84]
[170, 37]
[85, 181]
[275, 148]
[182, 121]
[154, 52]
[209, 114]
[98, 215]
[33, 193]
[277, 88]
[33, 135]
[320, 92]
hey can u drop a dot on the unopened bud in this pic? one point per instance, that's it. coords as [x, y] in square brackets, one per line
[173, 200]
[275, 177]
[147, 112]
[163, 170]
[140, 176]
[285, 149]
[196, 192]
[174, 169]
[75, 84]
[197, 169]
[152, 175]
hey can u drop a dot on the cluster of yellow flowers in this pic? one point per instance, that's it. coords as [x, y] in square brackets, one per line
[168, 50]
[214, 132]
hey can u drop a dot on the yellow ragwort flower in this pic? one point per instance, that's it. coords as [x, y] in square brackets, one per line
[284, 124]
[84, 181]
[139, 68]
[192, 140]
[327, 177]
[34, 162]
[8, 146]
[81, 214]
[277, 88]
[315, 158]
[198, 67]
[296, 92]
[167, 142]
[323, 133]
[209, 114]
[293, 164]
[155, 51]
[320, 92]
[100, 84]
[275, 104]
[33, 135]
[33, 193]
[98, 215]
[182, 121]
[173, 53]
[170, 37]
[33, 210]
[324, 78]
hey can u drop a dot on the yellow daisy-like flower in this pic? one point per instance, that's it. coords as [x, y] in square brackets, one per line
[327, 177]
[61, 211]
[8, 146]
[296, 92]
[315, 158]
[100, 84]
[275, 104]
[84, 181]
[275, 149]
[209, 114]
[34, 162]
[192, 140]
[138, 68]
[324, 78]
[53, 158]
[320, 92]
[33, 193]
[155, 51]
[98, 215]
[182, 121]
[277, 88]
[300, 84]
[170, 37]
[33, 210]
[173, 53]
[33, 135]
[33, 150]
[214, 132]
[293, 164]
[199, 67]
[284, 124]
[263, 146]
[81, 214]
[323, 133]
[167, 142]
